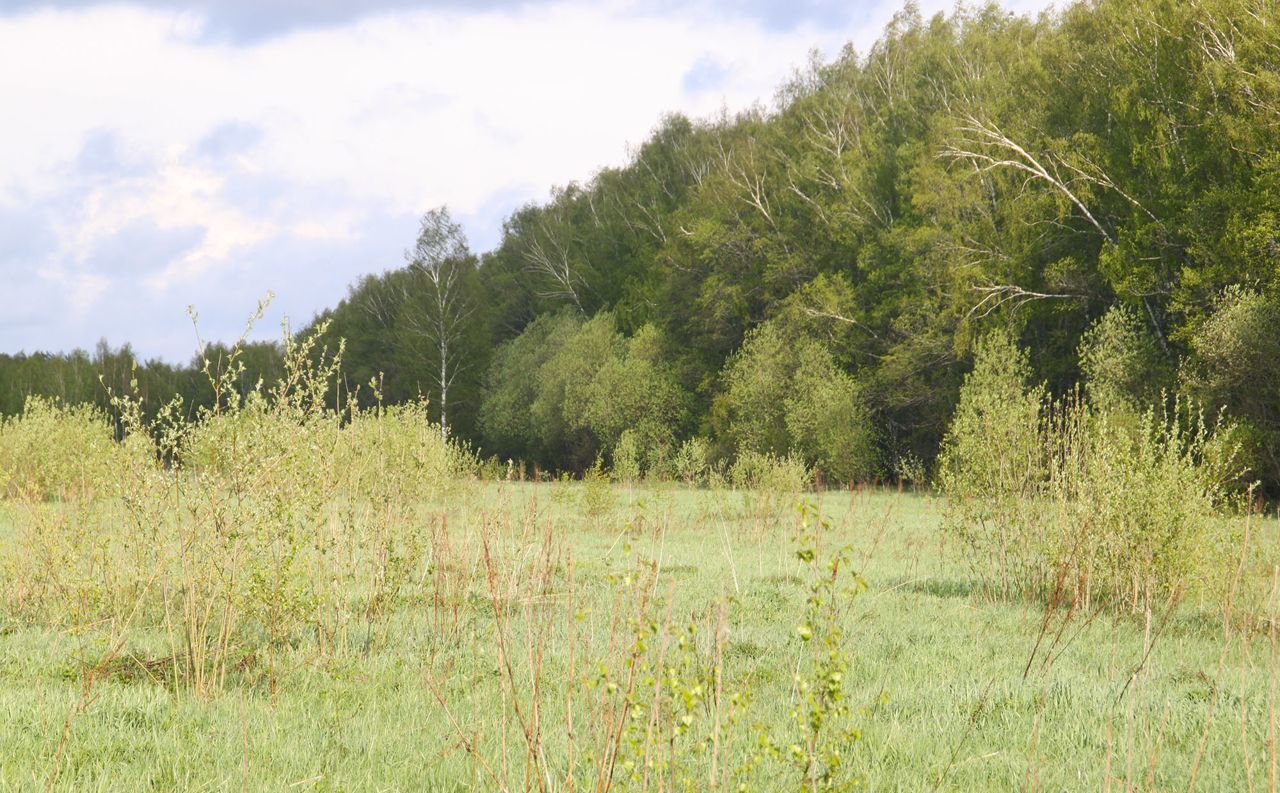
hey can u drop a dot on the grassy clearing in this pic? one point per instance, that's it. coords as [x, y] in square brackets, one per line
[935, 675]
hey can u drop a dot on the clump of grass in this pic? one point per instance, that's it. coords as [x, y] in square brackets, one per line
[769, 484]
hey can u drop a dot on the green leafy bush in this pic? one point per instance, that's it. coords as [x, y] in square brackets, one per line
[691, 463]
[991, 466]
[1234, 367]
[1141, 514]
[1121, 363]
[57, 451]
[567, 390]
[1061, 497]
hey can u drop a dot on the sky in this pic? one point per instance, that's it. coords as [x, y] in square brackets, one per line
[160, 154]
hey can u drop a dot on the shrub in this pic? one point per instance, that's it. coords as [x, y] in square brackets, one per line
[691, 462]
[1142, 513]
[1066, 499]
[626, 458]
[769, 484]
[1233, 367]
[598, 498]
[56, 451]
[1122, 367]
[991, 465]
[278, 515]
[757, 381]
[635, 391]
[507, 419]
[570, 389]
[769, 473]
[827, 418]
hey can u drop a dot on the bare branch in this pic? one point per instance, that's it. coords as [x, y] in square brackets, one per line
[996, 296]
[1015, 157]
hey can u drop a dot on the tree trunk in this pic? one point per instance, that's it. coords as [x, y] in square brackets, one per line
[444, 388]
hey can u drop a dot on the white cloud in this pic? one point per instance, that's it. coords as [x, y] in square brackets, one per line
[319, 136]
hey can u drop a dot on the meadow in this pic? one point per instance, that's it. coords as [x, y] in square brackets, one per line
[286, 590]
[480, 671]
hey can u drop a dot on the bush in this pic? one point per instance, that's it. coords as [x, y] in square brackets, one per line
[636, 391]
[692, 462]
[757, 382]
[1233, 367]
[991, 466]
[1142, 515]
[507, 420]
[626, 458]
[1121, 364]
[55, 451]
[770, 473]
[1064, 498]
[568, 389]
[279, 515]
[769, 484]
[828, 420]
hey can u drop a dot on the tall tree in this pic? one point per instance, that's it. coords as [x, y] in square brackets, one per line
[441, 263]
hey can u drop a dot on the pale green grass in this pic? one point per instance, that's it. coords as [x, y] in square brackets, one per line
[937, 672]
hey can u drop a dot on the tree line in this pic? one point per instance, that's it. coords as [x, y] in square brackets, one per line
[810, 277]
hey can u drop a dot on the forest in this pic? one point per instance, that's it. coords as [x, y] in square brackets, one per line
[811, 276]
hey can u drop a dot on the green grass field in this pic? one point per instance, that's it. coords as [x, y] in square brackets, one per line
[949, 690]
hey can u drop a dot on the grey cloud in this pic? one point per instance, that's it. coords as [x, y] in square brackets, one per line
[140, 249]
[100, 153]
[249, 21]
[25, 234]
[104, 155]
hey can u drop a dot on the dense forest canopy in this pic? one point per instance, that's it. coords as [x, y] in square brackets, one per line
[811, 277]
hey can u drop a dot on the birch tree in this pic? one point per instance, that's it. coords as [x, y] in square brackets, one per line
[441, 262]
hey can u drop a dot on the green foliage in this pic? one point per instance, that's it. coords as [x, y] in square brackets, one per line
[769, 473]
[273, 507]
[1142, 515]
[1064, 500]
[81, 378]
[991, 465]
[1233, 367]
[1121, 363]
[757, 384]
[783, 395]
[626, 458]
[512, 385]
[827, 419]
[568, 390]
[691, 461]
[564, 390]
[636, 391]
[821, 728]
[597, 494]
[56, 451]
